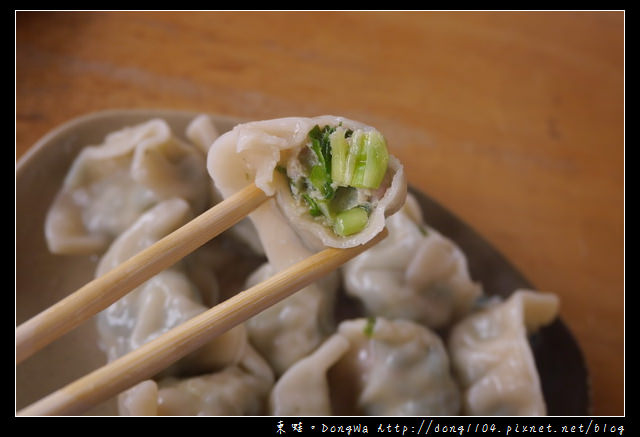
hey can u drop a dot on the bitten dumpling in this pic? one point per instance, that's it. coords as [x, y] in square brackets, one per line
[492, 358]
[333, 178]
[111, 184]
[415, 273]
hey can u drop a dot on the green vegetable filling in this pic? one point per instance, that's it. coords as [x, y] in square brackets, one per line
[359, 160]
[351, 221]
[338, 162]
[370, 326]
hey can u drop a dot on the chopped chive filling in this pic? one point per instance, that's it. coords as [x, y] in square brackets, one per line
[351, 221]
[321, 145]
[336, 163]
[321, 181]
[359, 160]
[370, 326]
[313, 206]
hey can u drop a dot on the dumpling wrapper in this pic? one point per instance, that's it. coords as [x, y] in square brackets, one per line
[304, 388]
[292, 328]
[238, 389]
[492, 359]
[111, 184]
[381, 368]
[396, 368]
[415, 273]
[164, 301]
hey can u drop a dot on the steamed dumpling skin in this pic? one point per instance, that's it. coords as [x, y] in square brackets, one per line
[304, 388]
[415, 273]
[292, 328]
[396, 368]
[235, 390]
[388, 368]
[164, 301]
[111, 184]
[492, 358]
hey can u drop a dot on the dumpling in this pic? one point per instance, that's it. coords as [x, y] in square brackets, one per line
[373, 367]
[292, 328]
[270, 154]
[202, 132]
[415, 273]
[238, 389]
[225, 376]
[111, 184]
[304, 388]
[139, 400]
[492, 358]
[333, 178]
[164, 301]
[396, 368]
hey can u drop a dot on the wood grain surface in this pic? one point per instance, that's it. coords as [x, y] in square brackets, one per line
[512, 120]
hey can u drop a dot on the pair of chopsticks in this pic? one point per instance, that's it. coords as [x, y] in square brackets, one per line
[154, 356]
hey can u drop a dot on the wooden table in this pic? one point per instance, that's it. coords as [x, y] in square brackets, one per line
[514, 121]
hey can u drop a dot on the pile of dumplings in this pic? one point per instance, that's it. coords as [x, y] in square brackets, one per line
[426, 340]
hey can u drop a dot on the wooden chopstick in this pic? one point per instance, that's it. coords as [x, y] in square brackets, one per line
[152, 357]
[98, 294]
